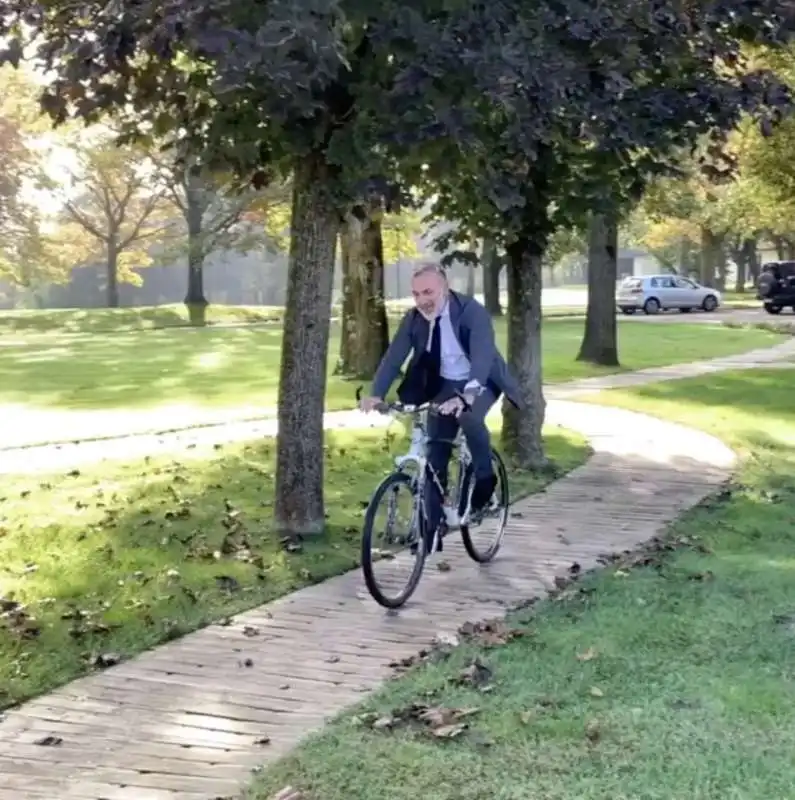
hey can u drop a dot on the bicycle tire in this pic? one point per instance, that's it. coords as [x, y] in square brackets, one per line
[505, 497]
[395, 478]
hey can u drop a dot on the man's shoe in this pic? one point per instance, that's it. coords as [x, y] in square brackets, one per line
[482, 493]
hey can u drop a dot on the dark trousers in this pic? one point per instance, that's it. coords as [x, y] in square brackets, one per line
[443, 429]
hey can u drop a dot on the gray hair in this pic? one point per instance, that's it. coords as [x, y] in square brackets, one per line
[429, 268]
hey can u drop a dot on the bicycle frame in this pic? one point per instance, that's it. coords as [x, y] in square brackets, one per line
[424, 471]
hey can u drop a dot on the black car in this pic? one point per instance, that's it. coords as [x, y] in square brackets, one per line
[776, 286]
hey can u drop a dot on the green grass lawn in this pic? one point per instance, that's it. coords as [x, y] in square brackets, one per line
[228, 367]
[118, 320]
[110, 560]
[174, 315]
[663, 682]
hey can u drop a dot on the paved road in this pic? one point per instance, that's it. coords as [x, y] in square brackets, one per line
[739, 316]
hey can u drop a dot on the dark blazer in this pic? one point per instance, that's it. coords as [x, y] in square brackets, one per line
[474, 329]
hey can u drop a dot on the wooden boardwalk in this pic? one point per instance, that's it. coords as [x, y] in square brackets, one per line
[191, 719]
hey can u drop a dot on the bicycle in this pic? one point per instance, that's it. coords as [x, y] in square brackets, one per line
[414, 473]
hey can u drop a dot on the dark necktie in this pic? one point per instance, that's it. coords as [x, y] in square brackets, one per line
[434, 385]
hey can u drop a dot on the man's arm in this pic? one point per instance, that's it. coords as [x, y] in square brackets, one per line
[482, 347]
[393, 359]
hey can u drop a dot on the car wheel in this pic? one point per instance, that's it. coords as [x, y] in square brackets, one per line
[710, 303]
[772, 308]
[651, 306]
[628, 311]
[766, 284]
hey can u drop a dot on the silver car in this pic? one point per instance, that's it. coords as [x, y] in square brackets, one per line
[654, 293]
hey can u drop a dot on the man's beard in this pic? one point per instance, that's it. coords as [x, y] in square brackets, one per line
[435, 310]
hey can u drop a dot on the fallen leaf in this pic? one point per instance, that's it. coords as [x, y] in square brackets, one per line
[490, 633]
[288, 793]
[443, 566]
[597, 692]
[226, 583]
[561, 582]
[262, 740]
[448, 731]
[105, 660]
[526, 717]
[384, 723]
[439, 716]
[250, 631]
[49, 741]
[588, 655]
[477, 674]
[593, 731]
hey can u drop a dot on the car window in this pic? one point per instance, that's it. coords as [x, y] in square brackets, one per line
[655, 283]
[630, 283]
[667, 283]
[683, 283]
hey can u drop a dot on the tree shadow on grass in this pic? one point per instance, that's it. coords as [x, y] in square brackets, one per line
[114, 559]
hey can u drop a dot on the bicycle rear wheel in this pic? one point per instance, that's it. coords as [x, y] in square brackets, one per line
[406, 551]
[482, 540]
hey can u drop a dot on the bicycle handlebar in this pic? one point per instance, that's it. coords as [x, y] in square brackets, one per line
[409, 408]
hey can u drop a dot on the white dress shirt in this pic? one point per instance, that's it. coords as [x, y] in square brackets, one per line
[455, 365]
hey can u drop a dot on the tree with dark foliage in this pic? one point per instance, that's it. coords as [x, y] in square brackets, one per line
[494, 108]
[582, 105]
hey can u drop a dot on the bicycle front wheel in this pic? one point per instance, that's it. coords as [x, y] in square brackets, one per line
[482, 539]
[393, 547]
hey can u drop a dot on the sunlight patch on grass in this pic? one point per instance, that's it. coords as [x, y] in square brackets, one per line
[147, 369]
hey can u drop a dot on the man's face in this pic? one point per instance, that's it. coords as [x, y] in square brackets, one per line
[429, 290]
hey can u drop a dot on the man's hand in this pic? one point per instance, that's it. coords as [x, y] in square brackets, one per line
[369, 403]
[455, 405]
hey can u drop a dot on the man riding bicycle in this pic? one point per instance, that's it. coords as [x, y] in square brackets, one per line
[451, 338]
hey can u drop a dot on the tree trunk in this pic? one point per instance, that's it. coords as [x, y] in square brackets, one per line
[600, 341]
[778, 243]
[195, 301]
[709, 257]
[521, 429]
[753, 261]
[743, 257]
[299, 509]
[470, 280]
[721, 262]
[112, 273]
[365, 329]
[492, 265]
